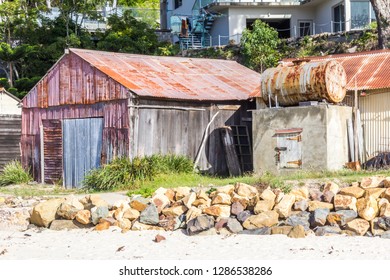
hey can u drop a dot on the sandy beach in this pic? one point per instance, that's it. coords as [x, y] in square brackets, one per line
[135, 245]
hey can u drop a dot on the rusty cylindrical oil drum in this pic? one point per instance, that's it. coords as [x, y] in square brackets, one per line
[304, 81]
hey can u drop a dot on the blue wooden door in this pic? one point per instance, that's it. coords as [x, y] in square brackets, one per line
[82, 147]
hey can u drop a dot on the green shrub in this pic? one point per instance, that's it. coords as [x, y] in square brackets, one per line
[123, 173]
[13, 173]
[4, 83]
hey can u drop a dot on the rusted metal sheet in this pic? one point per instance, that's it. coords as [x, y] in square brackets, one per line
[304, 81]
[73, 81]
[370, 69]
[52, 150]
[115, 131]
[174, 77]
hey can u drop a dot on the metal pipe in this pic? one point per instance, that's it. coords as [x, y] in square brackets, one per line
[166, 107]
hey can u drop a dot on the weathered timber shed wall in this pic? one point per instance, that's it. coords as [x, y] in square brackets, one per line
[178, 128]
[148, 105]
[10, 130]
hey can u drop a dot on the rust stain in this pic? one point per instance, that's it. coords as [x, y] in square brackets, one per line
[175, 77]
[370, 69]
[304, 81]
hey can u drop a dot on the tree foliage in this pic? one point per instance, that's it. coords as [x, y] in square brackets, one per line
[382, 14]
[260, 46]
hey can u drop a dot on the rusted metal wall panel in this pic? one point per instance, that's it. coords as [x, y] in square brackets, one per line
[115, 128]
[10, 130]
[52, 150]
[375, 117]
[72, 81]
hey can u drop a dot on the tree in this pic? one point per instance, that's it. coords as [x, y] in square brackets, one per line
[11, 55]
[260, 46]
[382, 14]
[127, 34]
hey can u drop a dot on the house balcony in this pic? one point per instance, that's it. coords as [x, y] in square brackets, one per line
[210, 3]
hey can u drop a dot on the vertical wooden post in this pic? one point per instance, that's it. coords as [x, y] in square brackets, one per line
[355, 129]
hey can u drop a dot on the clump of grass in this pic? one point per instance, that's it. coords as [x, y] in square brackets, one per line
[123, 173]
[171, 164]
[13, 173]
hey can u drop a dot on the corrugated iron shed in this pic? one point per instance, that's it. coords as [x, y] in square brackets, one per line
[176, 78]
[370, 69]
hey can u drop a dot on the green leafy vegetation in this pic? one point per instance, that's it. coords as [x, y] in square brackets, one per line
[13, 173]
[123, 173]
[260, 46]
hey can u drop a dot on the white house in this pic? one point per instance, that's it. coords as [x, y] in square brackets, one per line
[220, 21]
[9, 104]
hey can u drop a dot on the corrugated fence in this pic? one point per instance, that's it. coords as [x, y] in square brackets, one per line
[10, 131]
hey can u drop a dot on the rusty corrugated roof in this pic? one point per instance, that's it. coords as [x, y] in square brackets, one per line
[175, 77]
[370, 69]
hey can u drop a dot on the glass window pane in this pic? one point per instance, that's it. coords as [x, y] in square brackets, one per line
[360, 14]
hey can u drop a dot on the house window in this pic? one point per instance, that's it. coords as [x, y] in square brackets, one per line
[362, 14]
[305, 28]
[339, 18]
[178, 3]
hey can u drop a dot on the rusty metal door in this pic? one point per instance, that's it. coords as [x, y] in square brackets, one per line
[82, 147]
[289, 149]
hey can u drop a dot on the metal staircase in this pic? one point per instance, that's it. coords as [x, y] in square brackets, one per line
[202, 22]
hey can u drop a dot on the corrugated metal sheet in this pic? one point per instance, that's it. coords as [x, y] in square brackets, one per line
[52, 150]
[370, 69]
[175, 77]
[375, 116]
[82, 140]
[9, 138]
[116, 129]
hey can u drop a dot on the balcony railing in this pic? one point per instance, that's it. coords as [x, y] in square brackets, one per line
[203, 3]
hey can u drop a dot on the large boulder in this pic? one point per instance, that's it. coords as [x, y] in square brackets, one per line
[98, 213]
[222, 211]
[355, 191]
[344, 202]
[160, 201]
[199, 224]
[283, 208]
[12, 219]
[69, 208]
[83, 217]
[246, 190]
[332, 186]
[45, 212]
[297, 232]
[175, 211]
[301, 193]
[149, 215]
[359, 226]
[264, 219]
[264, 205]
[367, 208]
[372, 182]
[268, 194]
[221, 198]
[313, 205]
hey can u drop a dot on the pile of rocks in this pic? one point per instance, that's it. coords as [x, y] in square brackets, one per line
[362, 208]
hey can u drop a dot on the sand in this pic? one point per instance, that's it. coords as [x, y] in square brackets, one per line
[111, 244]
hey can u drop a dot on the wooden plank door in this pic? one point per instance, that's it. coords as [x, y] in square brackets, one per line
[82, 146]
